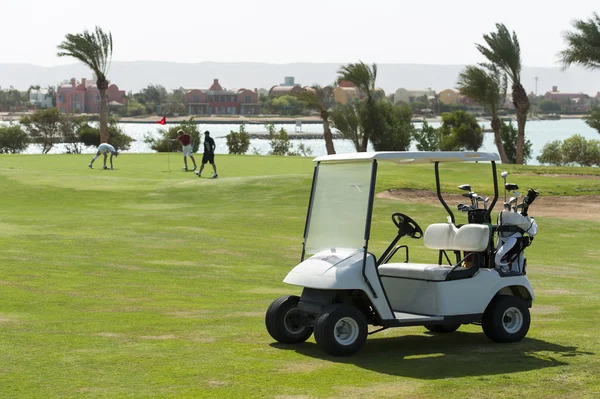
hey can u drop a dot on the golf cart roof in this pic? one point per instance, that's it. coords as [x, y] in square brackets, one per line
[411, 157]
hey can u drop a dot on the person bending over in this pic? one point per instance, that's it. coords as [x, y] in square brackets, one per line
[105, 148]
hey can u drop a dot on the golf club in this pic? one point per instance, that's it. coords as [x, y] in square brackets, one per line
[485, 202]
[479, 199]
[474, 197]
[504, 174]
[511, 201]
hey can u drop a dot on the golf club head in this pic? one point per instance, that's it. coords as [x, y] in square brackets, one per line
[486, 199]
[504, 174]
[474, 195]
[467, 195]
[511, 186]
[506, 206]
[512, 200]
[479, 198]
[531, 195]
[465, 187]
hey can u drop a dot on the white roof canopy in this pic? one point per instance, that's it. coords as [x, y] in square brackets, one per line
[411, 157]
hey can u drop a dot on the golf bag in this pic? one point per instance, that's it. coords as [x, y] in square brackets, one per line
[515, 233]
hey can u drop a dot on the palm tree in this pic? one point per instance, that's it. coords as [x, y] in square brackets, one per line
[320, 99]
[488, 88]
[364, 78]
[583, 47]
[94, 49]
[504, 51]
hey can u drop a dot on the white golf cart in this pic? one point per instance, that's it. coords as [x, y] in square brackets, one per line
[346, 288]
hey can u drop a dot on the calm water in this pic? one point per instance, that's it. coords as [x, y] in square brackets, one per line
[538, 132]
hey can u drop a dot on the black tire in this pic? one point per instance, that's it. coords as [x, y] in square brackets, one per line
[442, 328]
[341, 330]
[506, 319]
[285, 323]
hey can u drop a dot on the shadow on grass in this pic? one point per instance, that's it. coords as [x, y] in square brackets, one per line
[458, 354]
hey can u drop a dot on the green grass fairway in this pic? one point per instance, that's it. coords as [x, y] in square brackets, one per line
[143, 282]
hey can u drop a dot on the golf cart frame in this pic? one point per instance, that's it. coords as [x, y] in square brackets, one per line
[347, 284]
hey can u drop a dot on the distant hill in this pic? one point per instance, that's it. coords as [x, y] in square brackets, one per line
[137, 75]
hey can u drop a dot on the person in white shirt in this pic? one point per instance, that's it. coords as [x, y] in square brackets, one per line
[105, 148]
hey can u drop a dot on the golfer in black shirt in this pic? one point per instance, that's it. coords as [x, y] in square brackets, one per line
[209, 155]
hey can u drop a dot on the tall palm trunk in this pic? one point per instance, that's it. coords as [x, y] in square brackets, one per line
[496, 128]
[327, 133]
[521, 103]
[102, 86]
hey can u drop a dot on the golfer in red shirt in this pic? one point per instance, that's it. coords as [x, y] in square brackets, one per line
[186, 143]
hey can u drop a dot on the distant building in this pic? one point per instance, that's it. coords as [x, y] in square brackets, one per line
[449, 97]
[289, 86]
[570, 102]
[40, 98]
[217, 100]
[410, 96]
[84, 97]
[345, 95]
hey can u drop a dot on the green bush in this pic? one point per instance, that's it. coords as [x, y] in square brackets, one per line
[238, 142]
[460, 131]
[13, 139]
[575, 150]
[427, 138]
[551, 154]
[508, 136]
[394, 130]
[168, 140]
[90, 136]
[279, 141]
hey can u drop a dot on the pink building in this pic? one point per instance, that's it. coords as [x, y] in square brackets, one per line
[217, 100]
[569, 102]
[84, 97]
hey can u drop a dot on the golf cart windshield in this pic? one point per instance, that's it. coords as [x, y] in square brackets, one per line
[337, 217]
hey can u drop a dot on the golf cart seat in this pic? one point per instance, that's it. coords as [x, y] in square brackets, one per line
[441, 236]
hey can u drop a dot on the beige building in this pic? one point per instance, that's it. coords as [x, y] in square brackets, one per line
[409, 96]
[449, 97]
[345, 95]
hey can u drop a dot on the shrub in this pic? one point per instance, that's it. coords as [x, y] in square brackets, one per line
[395, 129]
[13, 139]
[90, 136]
[551, 154]
[427, 138]
[508, 136]
[238, 142]
[167, 141]
[460, 131]
[279, 141]
[575, 150]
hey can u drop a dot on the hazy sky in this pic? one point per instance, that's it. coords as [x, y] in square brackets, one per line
[284, 31]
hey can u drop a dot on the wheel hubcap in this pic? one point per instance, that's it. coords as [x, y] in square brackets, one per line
[346, 331]
[292, 322]
[512, 319]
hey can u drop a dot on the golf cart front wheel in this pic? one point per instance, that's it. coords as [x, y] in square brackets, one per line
[506, 319]
[442, 328]
[285, 323]
[341, 330]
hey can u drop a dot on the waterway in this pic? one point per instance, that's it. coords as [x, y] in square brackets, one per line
[538, 132]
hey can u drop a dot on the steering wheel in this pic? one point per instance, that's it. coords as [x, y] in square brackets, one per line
[407, 226]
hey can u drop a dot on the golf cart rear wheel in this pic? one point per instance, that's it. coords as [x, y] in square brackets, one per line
[341, 330]
[506, 319]
[284, 321]
[442, 328]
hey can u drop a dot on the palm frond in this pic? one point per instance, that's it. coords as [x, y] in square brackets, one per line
[583, 45]
[316, 97]
[485, 84]
[94, 49]
[503, 50]
[363, 76]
